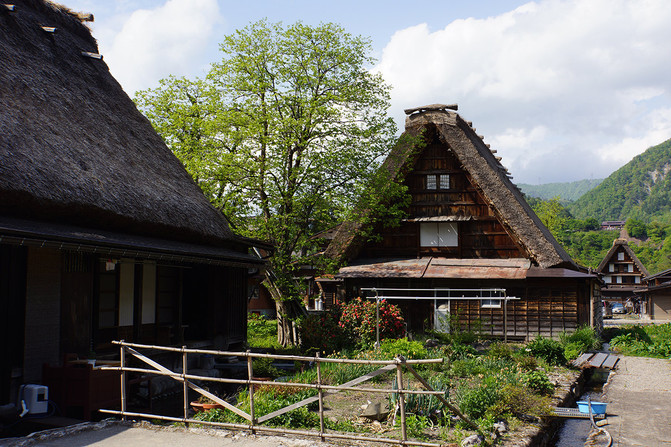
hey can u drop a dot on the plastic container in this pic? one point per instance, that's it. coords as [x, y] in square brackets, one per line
[597, 407]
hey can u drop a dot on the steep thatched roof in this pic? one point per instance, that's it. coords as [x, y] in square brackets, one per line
[73, 147]
[489, 177]
[621, 243]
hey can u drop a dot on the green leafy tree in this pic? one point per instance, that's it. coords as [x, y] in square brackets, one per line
[283, 135]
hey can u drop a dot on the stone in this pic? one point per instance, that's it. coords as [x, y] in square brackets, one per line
[472, 441]
[500, 428]
[375, 411]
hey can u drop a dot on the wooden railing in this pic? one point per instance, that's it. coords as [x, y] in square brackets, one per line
[186, 379]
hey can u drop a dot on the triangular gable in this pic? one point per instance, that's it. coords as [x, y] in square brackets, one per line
[621, 244]
[486, 174]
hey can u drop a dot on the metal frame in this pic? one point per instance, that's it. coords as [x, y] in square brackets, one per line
[449, 298]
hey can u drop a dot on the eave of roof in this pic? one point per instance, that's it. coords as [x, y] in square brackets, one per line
[437, 268]
[111, 244]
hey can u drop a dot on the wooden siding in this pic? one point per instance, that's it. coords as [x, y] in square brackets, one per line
[480, 233]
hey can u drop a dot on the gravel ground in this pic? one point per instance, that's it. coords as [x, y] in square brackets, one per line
[639, 402]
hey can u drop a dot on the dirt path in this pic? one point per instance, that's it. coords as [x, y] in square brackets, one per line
[639, 402]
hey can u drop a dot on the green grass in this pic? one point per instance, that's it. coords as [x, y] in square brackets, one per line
[262, 333]
[642, 341]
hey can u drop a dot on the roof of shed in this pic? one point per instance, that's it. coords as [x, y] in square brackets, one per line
[488, 175]
[74, 149]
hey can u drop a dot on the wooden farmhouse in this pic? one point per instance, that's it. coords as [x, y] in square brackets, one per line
[657, 295]
[471, 254]
[103, 234]
[623, 273]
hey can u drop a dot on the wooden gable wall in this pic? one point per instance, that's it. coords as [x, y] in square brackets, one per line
[480, 233]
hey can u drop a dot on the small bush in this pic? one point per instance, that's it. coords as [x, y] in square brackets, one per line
[459, 351]
[322, 331]
[359, 320]
[475, 401]
[261, 333]
[527, 362]
[499, 350]
[582, 340]
[547, 349]
[537, 381]
[404, 347]
[517, 401]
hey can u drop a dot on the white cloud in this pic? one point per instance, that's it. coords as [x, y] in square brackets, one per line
[153, 43]
[569, 82]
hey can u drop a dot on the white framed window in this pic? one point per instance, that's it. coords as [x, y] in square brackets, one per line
[437, 181]
[611, 267]
[607, 279]
[444, 181]
[630, 268]
[618, 279]
[438, 234]
[620, 256]
[490, 303]
[637, 279]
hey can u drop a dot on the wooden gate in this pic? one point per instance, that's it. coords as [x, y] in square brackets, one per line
[187, 381]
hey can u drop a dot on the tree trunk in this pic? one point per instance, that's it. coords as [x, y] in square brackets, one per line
[288, 311]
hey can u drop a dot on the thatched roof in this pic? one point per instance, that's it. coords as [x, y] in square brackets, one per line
[489, 177]
[74, 148]
[624, 245]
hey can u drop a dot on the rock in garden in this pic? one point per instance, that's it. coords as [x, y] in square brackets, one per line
[431, 343]
[376, 411]
[500, 428]
[472, 440]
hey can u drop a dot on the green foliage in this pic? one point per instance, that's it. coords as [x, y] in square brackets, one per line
[415, 425]
[321, 331]
[641, 189]
[581, 340]
[263, 367]
[403, 346]
[566, 192]
[261, 333]
[282, 135]
[636, 228]
[547, 349]
[537, 380]
[500, 350]
[516, 400]
[474, 401]
[644, 341]
[359, 320]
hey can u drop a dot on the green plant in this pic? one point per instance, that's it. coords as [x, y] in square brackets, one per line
[261, 332]
[500, 350]
[459, 351]
[404, 347]
[475, 400]
[649, 341]
[263, 367]
[322, 331]
[581, 340]
[526, 362]
[547, 349]
[415, 425]
[537, 381]
[516, 400]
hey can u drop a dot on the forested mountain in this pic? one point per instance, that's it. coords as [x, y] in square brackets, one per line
[641, 189]
[566, 191]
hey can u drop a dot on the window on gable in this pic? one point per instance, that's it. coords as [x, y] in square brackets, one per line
[437, 181]
[620, 256]
[438, 234]
[444, 181]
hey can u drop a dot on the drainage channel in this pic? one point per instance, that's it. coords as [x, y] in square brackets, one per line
[575, 432]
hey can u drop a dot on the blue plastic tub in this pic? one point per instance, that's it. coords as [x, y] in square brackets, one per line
[597, 407]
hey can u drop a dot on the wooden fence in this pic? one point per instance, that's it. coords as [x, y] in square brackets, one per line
[186, 379]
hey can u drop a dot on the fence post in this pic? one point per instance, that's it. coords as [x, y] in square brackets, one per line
[321, 397]
[185, 384]
[250, 374]
[122, 356]
[401, 397]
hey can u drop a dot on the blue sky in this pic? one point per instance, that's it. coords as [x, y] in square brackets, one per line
[562, 89]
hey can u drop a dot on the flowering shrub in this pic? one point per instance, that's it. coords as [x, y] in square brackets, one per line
[359, 320]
